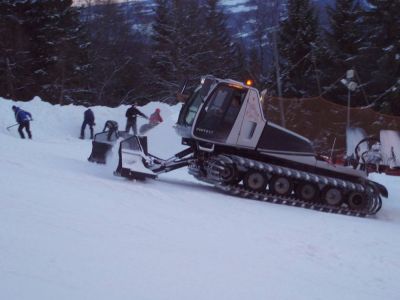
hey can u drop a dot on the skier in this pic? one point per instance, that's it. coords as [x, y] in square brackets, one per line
[131, 115]
[88, 119]
[23, 117]
[112, 127]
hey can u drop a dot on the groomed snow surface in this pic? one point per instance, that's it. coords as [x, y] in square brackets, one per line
[69, 229]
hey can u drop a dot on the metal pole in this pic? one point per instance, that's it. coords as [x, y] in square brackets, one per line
[8, 128]
[333, 148]
[278, 80]
[348, 109]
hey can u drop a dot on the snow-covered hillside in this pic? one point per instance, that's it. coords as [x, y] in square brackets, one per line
[69, 229]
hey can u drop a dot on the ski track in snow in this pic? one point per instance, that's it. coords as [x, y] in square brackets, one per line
[71, 230]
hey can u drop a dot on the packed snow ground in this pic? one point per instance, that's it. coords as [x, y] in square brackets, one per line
[69, 229]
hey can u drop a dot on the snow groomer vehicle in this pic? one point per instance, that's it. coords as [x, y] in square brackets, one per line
[231, 145]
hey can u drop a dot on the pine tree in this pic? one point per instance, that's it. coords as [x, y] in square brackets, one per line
[299, 47]
[116, 56]
[45, 55]
[57, 47]
[189, 40]
[344, 38]
[221, 49]
[265, 18]
[71, 71]
[240, 69]
[163, 44]
[181, 49]
[14, 57]
[383, 52]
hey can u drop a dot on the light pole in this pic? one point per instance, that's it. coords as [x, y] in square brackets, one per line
[276, 5]
[278, 79]
[351, 87]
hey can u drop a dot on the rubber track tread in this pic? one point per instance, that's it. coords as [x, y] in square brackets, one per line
[215, 165]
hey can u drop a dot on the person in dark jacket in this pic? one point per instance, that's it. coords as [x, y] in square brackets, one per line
[131, 115]
[23, 117]
[88, 119]
[112, 128]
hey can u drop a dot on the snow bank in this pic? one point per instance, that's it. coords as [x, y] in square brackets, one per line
[55, 122]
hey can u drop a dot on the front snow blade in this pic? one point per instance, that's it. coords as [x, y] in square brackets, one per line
[133, 160]
[101, 146]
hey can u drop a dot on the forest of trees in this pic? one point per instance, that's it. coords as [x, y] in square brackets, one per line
[102, 54]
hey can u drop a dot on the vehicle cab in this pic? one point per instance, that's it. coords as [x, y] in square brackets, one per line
[222, 112]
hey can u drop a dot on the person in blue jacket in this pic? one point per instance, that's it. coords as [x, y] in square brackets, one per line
[23, 118]
[88, 119]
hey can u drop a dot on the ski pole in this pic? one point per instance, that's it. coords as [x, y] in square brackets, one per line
[8, 128]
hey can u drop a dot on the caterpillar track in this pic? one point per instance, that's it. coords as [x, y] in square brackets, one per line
[230, 173]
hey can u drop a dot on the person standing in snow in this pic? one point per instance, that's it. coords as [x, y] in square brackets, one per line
[23, 118]
[155, 117]
[131, 116]
[88, 119]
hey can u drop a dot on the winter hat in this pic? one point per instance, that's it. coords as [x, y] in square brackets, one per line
[14, 107]
[157, 110]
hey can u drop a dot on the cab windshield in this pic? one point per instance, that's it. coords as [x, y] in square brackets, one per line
[217, 118]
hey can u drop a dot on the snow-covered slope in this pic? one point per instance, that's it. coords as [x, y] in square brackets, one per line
[69, 229]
